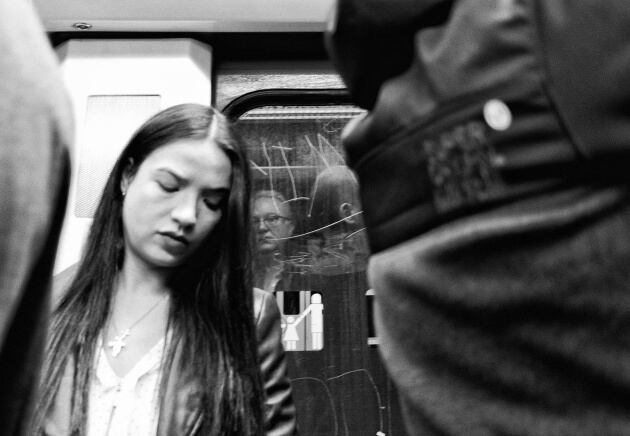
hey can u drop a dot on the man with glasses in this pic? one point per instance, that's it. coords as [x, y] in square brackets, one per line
[273, 224]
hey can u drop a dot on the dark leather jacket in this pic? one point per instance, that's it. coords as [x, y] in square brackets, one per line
[178, 415]
[437, 77]
[500, 266]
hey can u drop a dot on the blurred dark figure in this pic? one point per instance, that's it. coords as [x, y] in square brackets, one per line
[494, 182]
[35, 128]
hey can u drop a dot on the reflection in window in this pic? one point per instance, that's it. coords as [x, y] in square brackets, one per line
[305, 205]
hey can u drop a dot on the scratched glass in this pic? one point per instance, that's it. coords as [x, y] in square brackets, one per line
[311, 253]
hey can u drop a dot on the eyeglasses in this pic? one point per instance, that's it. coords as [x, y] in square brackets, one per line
[269, 220]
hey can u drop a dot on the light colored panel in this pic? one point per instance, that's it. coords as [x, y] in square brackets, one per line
[109, 123]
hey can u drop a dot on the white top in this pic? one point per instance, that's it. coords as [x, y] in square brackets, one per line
[127, 406]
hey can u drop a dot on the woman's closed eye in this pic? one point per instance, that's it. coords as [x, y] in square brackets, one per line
[168, 187]
[167, 182]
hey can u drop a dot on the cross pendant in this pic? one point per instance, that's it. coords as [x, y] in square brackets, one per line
[118, 343]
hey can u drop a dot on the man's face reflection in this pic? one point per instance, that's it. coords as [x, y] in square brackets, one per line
[272, 223]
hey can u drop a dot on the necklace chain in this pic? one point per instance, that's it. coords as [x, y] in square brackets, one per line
[118, 343]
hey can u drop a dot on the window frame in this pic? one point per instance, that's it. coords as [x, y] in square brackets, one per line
[286, 97]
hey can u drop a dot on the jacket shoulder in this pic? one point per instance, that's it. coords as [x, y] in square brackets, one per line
[265, 307]
[279, 407]
[61, 282]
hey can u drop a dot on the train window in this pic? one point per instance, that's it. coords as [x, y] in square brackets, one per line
[307, 216]
[311, 253]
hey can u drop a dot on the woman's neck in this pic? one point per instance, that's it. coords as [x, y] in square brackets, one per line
[135, 278]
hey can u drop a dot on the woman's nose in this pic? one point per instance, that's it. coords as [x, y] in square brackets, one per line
[185, 210]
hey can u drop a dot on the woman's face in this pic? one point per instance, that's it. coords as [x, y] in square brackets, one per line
[173, 201]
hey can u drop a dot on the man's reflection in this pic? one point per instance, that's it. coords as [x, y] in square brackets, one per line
[273, 223]
[335, 213]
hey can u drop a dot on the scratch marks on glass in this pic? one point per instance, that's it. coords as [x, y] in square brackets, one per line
[264, 148]
[258, 168]
[334, 407]
[318, 230]
[322, 140]
[319, 152]
[288, 167]
[330, 398]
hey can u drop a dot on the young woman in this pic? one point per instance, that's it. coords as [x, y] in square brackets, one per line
[159, 331]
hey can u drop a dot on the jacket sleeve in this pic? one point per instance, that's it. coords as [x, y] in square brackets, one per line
[279, 408]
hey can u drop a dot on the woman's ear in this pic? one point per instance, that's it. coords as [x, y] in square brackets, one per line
[127, 176]
[347, 213]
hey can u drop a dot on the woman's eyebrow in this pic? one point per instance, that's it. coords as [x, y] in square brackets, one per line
[222, 191]
[171, 173]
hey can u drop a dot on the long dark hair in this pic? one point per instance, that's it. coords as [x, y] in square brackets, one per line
[211, 315]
